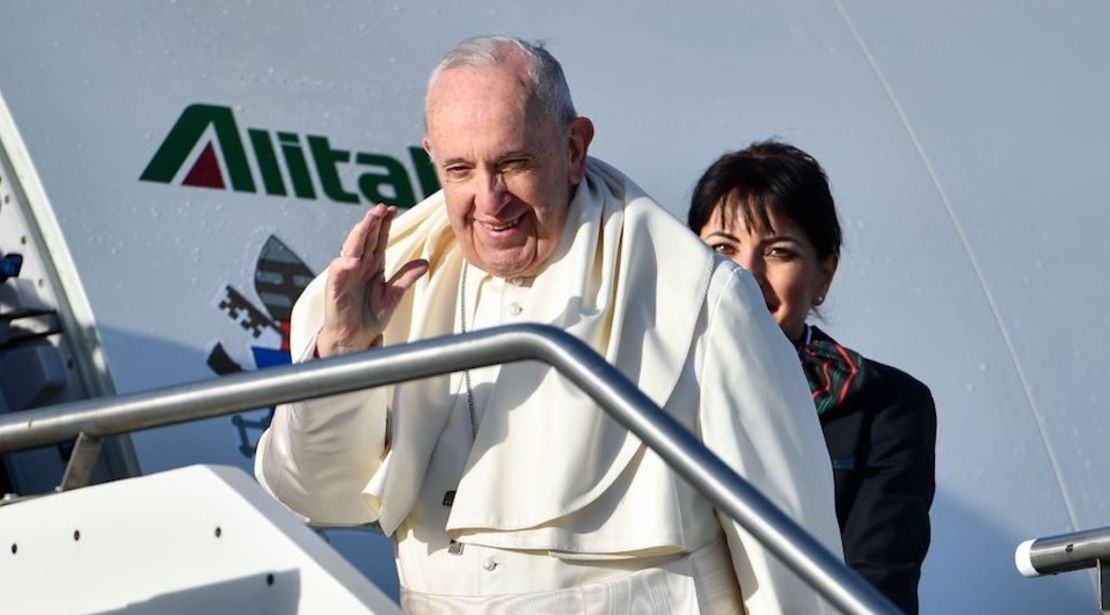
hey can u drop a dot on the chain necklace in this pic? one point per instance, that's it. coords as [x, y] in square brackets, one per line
[466, 374]
[454, 547]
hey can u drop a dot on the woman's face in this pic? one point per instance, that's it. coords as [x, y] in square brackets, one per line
[783, 261]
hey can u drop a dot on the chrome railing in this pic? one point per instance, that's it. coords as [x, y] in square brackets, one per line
[95, 419]
[1066, 553]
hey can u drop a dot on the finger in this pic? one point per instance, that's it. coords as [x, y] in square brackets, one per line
[356, 238]
[373, 231]
[341, 269]
[405, 277]
[384, 295]
[378, 251]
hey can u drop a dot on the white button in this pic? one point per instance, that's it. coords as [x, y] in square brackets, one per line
[515, 308]
[489, 565]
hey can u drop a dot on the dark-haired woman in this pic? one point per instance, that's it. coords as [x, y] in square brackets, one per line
[768, 207]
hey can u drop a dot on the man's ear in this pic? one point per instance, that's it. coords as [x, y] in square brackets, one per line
[427, 143]
[580, 134]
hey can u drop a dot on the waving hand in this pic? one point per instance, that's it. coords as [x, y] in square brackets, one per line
[359, 301]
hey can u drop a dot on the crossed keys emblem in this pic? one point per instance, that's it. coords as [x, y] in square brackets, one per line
[280, 276]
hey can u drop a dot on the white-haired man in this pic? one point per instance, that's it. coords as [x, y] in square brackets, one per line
[504, 487]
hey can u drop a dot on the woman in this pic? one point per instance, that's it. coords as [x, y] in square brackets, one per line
[768, 207]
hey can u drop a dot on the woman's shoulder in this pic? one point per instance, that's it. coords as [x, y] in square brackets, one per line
[894, 380]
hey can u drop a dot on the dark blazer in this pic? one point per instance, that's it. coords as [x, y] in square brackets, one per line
[882, 441]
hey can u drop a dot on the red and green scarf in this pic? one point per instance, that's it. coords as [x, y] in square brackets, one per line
[835, 373]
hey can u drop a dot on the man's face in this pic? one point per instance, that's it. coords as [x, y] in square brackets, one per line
[507, 170]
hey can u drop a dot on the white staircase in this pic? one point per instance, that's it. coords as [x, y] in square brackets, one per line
[201, 539]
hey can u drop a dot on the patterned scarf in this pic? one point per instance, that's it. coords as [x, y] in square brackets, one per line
[835, 373]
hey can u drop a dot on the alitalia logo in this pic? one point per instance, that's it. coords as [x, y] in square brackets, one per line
[281, 160]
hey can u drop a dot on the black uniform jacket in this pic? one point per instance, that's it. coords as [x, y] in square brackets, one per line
[882, 441]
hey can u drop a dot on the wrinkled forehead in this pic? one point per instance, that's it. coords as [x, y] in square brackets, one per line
[486, 81]
[478, 90]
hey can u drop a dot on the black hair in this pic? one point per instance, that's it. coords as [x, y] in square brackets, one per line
[769, 176]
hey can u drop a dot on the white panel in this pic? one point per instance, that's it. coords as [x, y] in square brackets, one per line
[202, 539]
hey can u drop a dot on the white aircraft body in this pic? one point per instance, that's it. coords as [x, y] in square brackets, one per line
[190, 165]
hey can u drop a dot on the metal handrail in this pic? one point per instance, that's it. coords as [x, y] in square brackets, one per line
[1067, 553]
[1063, 553]
[722, 486]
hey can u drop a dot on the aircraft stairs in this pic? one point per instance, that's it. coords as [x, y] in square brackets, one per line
[208, 539]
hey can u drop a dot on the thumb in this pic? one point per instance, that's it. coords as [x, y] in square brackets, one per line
[405, 277]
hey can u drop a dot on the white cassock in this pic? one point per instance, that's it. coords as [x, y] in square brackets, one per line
[553, 507]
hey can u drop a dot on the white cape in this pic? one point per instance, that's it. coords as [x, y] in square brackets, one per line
[627, 279]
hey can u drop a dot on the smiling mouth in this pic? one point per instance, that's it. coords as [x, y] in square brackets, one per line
[501, 226]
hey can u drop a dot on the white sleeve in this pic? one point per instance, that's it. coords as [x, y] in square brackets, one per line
[757, 415]
[318, 455]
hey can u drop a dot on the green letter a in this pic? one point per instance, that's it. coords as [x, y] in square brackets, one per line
[184, 136]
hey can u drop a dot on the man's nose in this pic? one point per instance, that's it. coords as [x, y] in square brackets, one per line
[491, 195]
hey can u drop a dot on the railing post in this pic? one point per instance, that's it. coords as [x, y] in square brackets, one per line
[82, 461]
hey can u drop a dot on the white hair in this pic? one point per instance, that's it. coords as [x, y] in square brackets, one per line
[545, 75]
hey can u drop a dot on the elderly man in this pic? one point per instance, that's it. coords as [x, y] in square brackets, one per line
[505, 487]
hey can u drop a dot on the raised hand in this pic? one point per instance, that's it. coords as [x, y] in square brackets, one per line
[359, 301]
